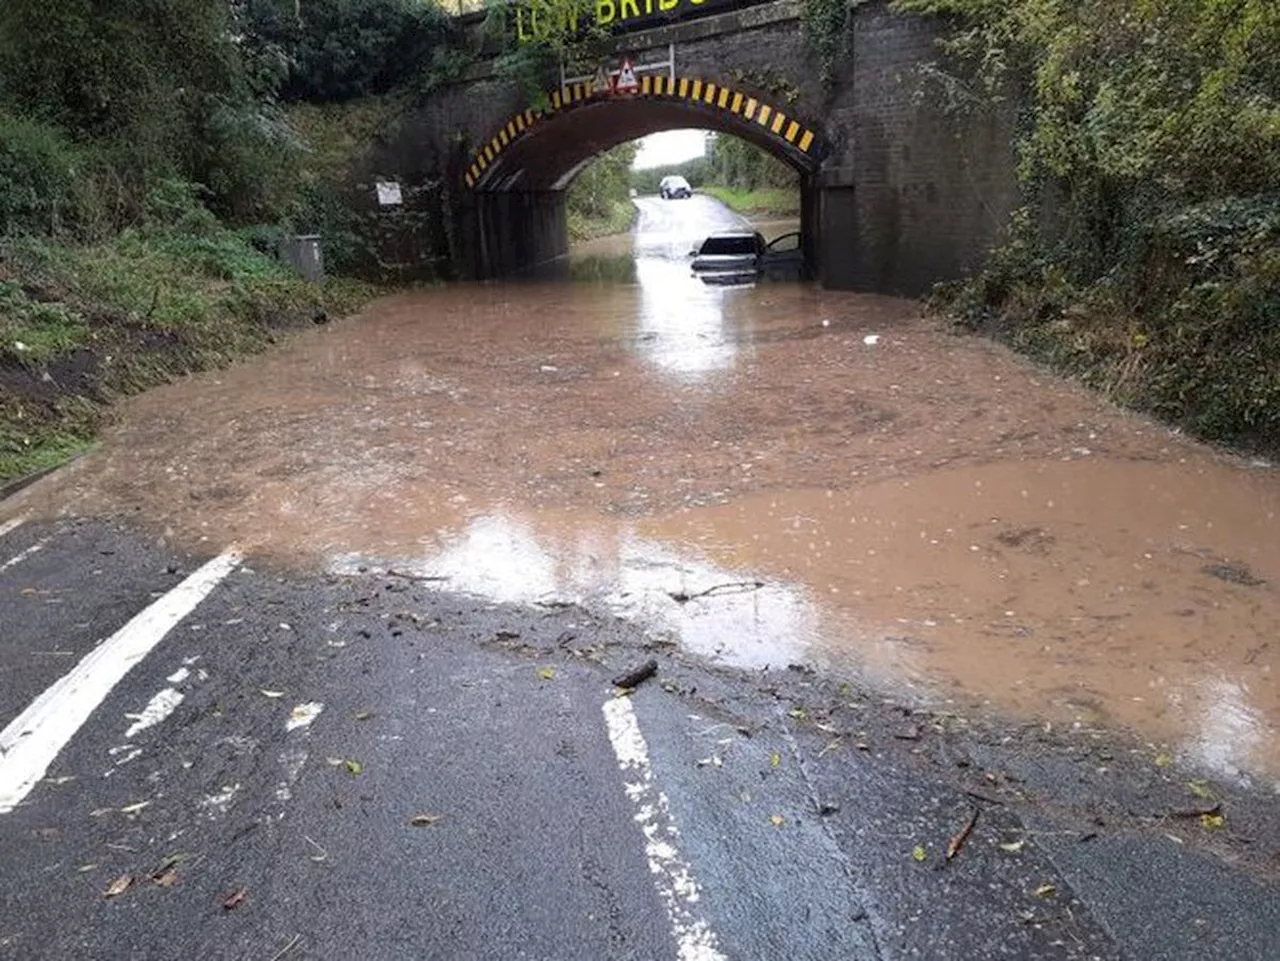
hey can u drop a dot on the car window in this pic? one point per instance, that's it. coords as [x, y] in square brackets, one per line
[785, 243]
[728, 246]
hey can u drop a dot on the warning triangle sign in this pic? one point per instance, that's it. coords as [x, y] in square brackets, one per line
[603, 83]
[626, 81]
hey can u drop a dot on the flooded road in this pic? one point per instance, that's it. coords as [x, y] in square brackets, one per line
[766, 475]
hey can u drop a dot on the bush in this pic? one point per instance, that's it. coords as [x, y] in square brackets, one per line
[42, 179]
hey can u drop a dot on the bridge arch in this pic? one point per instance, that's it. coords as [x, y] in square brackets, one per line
[543, 149]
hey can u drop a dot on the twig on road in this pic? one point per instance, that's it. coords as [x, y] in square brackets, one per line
[425, 578]
[957, 842]
[737, 587]
[287, 948]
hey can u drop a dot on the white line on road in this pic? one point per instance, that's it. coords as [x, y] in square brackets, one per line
[11, 525]
[35, 737]
[679, 892]
[19, 558]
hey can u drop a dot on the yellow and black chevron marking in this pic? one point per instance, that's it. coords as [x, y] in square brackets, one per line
[788, 131]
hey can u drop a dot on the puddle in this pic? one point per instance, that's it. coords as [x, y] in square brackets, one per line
[769, 475]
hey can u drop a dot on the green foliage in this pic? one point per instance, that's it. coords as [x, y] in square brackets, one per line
[697, 171]
[826, 29]
[339, 50]
[598, 201]
[533, 64]
[761, 202]
[1148, 260]
[42, 179]
[31, 331]
[742, 166]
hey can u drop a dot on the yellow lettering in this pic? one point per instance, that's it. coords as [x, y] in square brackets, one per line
[606, 12]
[668, 4]
[648, 7]
[622, 9]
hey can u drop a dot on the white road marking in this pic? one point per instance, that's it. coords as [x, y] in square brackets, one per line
[36, 736]
[11, 525]
[672, 876]
[19, 558]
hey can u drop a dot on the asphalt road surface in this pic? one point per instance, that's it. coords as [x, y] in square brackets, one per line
[205, 756]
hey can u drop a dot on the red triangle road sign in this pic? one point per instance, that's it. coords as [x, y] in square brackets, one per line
[626, 81]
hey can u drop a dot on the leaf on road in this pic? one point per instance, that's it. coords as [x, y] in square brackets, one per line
[363, 715]
[1201, 789]
[1013, 847]
[798, 713]
[272, 694]
[354, 768]
[166, 878]
[119, 886]
[777, 820]
[918, 853]
[1046, 891]
[1212, 822]
[234, 901]
[1163, 760]
[547, 673]
[333, 761]
[425, 820]
[775, 759]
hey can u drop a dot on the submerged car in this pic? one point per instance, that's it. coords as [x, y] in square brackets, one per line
[674, 188]
[743, 256]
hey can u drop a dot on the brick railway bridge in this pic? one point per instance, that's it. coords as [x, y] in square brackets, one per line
[898, 192]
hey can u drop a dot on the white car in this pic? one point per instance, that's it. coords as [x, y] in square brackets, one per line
[674, 187]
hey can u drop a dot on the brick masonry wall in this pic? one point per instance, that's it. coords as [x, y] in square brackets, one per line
[907, 195]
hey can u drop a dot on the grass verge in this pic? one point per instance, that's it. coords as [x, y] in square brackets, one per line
[81, 327]
[764, 202]
[617, 219]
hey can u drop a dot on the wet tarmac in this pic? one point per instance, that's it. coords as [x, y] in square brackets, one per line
[765, 474]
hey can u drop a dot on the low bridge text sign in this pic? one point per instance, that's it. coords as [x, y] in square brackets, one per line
[542, 19]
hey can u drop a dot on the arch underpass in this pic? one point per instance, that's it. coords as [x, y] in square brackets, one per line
[544, 149]
[519, 175]
[899, 190]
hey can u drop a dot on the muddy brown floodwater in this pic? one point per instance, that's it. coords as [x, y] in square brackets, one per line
[768, 475]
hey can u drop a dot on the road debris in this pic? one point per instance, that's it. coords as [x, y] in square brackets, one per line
[119, 886]
[957, 841]
[732, 587]
[637, 676]
[234, 900]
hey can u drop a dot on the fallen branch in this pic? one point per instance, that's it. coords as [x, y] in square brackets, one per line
[1197, 812]
[425, 578]
[988, 798]
[637, 676]
[682, 597]
[957, 842]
